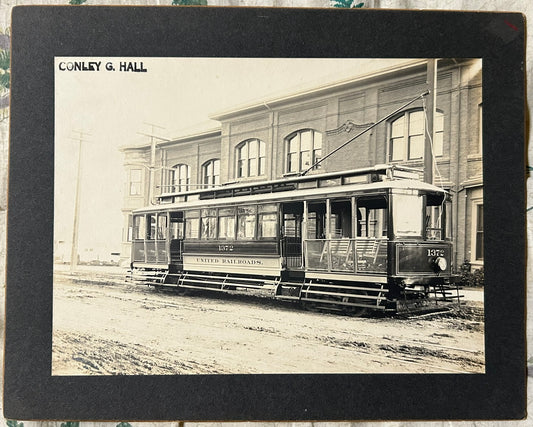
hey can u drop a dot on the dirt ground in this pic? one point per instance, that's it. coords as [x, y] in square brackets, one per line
[105, 326]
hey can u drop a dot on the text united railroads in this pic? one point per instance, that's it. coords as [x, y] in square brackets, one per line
[238, 261]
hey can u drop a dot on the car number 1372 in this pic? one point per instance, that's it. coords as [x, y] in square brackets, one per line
[435, 252]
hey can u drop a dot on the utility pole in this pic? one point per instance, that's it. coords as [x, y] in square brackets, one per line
[152, 157]
[431, 107]
[74, 252]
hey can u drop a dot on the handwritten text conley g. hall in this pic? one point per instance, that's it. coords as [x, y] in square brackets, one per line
[124, 66]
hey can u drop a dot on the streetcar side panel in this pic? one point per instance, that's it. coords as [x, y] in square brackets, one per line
[242, 240]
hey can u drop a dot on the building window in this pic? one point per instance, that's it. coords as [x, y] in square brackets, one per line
[250, 157]
[180, 177]
[304, 149]
[135, 182]
[407, 136]
[211, 173]
[478, 212]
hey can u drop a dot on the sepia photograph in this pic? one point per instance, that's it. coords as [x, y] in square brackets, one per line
[268, 216]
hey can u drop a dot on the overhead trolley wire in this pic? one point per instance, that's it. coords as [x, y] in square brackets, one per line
[364, 131]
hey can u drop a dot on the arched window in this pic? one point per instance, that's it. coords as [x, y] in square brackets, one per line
[211, 173]
[250, 155]
[180, 177]
[304, 149]
[407, 136]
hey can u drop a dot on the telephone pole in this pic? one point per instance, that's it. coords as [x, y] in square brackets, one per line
[74, 252]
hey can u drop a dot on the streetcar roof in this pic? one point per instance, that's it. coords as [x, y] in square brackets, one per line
[304, 194]
[383, 169]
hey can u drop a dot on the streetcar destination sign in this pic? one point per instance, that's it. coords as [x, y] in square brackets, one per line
[233, 263]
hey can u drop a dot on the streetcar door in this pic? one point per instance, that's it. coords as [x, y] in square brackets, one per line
[177, 233]
[292, 234]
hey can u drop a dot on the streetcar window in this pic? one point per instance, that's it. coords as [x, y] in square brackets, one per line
[341, 219]
[372, 217]
[139, 227]
[271, 207]
[129, 236]
[438, 217]
[226, 223]
[246, 220]
[316, 220]
[268, 225]
[209, 224]
[162, 226]
[448, 206]
[151, 219]
[177, 230]
[192, 224]
[434, 221]
[407, 210]
[291, 225]
[177, 226]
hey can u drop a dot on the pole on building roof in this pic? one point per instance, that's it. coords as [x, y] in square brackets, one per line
[152, 158]
[430, 120]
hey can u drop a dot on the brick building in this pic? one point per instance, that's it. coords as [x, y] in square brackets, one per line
[275, 138]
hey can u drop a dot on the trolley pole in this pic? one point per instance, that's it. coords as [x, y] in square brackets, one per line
[431, 104]
[74, 251]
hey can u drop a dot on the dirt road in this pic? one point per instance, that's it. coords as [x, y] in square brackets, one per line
[108, 327]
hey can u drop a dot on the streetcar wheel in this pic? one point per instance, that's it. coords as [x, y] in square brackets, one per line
[353, 311]
[310, 306]
[182, 291]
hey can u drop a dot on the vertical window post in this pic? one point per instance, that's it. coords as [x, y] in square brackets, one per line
[304, 232]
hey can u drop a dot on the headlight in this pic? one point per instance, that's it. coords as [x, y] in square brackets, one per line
[441, 263]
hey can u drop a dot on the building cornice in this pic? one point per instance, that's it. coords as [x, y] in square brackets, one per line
[210, 133]
[405, 68]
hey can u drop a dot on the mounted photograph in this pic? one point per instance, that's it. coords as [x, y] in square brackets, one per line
[268, 216]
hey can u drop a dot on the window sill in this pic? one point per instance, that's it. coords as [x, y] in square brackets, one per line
[289, 174]
[245, 179]
[311, 172]
[418, 162]
[475, 265]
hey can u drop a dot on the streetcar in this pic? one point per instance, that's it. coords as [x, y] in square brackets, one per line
[375, 238]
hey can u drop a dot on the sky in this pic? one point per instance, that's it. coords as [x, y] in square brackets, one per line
[112, 109]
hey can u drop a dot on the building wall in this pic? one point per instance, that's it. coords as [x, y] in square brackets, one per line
[339, 113]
